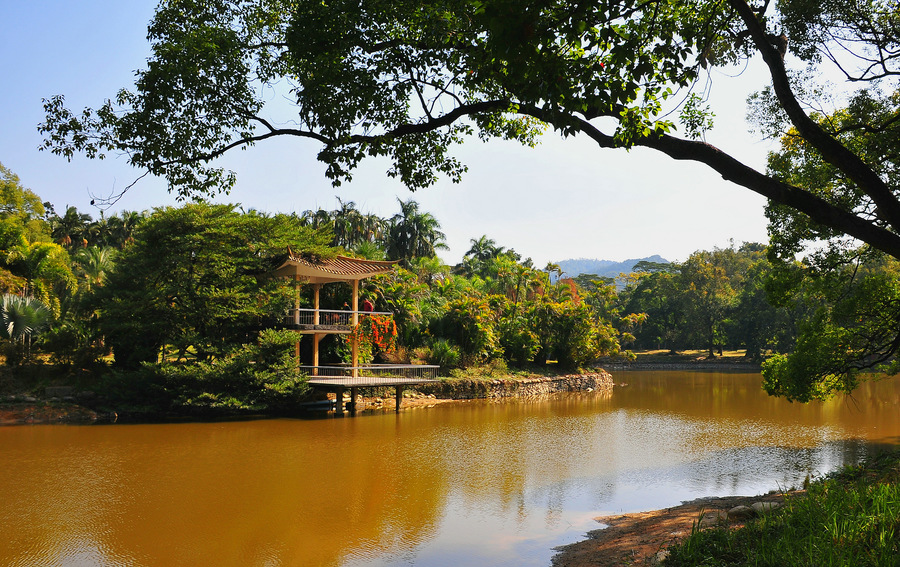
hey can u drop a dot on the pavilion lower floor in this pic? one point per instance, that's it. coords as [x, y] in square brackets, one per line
[395, 376]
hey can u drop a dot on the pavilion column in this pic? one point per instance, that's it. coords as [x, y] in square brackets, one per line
[316, 288]
[316, 337]
[355, 342]
[297, 317]
[296, 300]
[315, 361]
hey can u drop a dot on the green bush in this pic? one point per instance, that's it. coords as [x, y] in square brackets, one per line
[469, 323]
[260, 376]
[442, 353]
[520, 344]
[74, 344]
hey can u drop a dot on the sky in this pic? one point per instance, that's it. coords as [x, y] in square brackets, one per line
[564, 199]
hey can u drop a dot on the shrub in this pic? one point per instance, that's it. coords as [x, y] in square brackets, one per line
[520, 344]
[257, 376]
[469, 323]
[442, 353]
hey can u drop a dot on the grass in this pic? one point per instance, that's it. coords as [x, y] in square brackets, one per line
[689, 355]
[848, 519]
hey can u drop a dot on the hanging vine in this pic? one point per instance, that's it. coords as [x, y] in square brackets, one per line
[374, 333]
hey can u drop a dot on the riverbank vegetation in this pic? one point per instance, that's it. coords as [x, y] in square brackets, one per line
[850, 518]
[831, 184]
[166, 309]
[173, 309]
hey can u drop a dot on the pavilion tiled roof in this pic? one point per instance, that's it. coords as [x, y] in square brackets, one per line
[339, 268]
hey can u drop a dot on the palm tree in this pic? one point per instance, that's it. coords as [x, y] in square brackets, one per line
[124, 230]
[481, 257]
[315, 219]
[429, 270]
[371, 229]
[346, 219]
[23, 318]
[352, 228]
[45, 268]
[94, 262]
[99, 232]
[69, 230]
[413, 234]
[484, 249]
[119, 230]
[369, 251]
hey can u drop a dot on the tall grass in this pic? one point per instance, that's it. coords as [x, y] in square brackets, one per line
[849, 519]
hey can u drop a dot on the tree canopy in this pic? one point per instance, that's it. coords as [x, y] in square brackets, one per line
[194, 280]
[407, 80]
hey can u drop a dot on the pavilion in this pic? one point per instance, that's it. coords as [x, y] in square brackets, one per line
[321, 322]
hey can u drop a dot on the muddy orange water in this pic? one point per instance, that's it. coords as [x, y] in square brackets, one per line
[476, 483]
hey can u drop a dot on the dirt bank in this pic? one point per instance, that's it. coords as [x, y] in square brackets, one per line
[43, 412]
[641, 538]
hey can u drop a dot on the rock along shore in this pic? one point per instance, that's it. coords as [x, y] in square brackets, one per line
[465, 389]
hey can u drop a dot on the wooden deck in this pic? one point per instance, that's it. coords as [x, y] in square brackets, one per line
[338, 384]
[365, 381]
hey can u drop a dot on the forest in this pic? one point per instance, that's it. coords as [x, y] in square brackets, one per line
[171, 308]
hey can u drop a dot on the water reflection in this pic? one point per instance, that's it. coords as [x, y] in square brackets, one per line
[474, 483]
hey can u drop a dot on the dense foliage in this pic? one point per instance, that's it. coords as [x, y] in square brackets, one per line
[714, 300]
[194, 282]
[177, 305]
[180, 301]
[407, 80]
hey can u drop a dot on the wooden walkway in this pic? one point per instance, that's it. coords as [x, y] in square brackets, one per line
[339, 384]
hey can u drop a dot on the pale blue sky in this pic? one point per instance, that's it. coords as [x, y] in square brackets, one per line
[563, 199]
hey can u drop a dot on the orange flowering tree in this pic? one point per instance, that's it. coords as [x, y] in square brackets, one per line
[374, 333]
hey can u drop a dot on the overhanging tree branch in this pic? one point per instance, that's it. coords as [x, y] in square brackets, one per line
[831, 149]
[818, 209]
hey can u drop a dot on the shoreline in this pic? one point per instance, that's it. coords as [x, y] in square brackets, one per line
[686, 366]
[30, 410]
[642, 538]
[698, 365]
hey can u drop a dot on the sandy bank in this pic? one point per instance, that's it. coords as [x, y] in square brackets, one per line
[641, 538]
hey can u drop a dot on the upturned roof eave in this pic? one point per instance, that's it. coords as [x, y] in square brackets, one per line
[338, 269]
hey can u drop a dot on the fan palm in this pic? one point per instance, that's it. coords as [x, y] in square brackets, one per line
[23, 318]
[45, 267]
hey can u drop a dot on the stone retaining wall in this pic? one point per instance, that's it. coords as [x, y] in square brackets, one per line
[710, 366]
[462, 389]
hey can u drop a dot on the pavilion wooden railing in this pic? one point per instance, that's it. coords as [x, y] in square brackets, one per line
[326, 317]
[366, 373]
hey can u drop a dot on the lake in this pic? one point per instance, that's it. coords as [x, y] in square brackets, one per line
[473, 483]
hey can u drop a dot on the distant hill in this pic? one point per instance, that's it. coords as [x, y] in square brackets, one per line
[607, 268]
